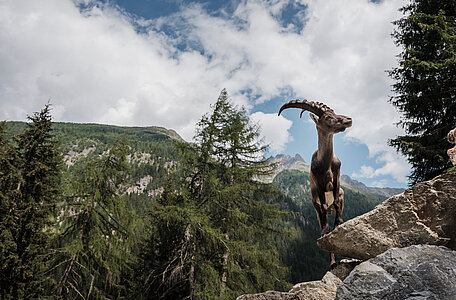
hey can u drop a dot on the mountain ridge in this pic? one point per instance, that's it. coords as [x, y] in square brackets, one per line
[287, 162]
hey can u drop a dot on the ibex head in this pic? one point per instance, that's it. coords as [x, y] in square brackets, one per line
[324, 117]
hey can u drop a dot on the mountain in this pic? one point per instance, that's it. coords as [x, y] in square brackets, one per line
[387, 192]
[287, 162]
[152, 154]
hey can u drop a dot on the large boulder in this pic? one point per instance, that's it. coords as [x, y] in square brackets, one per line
[269, 295]
[324, 289]
[423, 214]
[415, 272]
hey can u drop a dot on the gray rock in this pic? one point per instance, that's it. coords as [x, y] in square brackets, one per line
[415, 272]
[423, 214]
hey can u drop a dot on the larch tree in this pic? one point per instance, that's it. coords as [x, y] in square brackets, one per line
[425, 89]
[222, 218]
[92, 253]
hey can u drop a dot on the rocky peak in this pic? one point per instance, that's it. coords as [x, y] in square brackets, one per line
[286, 162]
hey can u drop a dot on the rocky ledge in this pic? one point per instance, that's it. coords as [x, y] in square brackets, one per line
[403, 249]
[423, 214]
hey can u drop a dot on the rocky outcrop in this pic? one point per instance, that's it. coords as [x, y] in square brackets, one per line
[423, 214]
[324, 289]
[415, 272]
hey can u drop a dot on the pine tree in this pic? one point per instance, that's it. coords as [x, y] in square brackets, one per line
[425, 84]
[30, 177]
[93, 252]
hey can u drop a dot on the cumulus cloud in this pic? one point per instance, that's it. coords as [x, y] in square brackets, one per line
[95, 65]
[274, 130]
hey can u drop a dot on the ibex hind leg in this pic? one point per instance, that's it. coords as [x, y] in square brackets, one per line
[322, 217]
[339, 207]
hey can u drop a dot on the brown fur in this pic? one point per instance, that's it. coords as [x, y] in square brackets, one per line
[325, 166]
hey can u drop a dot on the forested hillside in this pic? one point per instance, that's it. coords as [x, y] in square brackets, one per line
[137, 212]
[306, 260]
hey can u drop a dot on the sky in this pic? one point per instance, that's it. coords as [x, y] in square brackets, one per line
[163, 62]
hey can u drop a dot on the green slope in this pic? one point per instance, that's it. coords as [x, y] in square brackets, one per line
[152, 153]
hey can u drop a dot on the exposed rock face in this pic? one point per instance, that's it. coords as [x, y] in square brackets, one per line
[286, 162]
[324, 289]
[423, 214]
[415, 272]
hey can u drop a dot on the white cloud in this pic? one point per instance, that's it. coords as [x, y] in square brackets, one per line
[95, 67]
[274, 130]
[365, 172]
[393, 165]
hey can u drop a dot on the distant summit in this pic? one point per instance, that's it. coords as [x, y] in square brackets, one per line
[387, 192]
[287, 162]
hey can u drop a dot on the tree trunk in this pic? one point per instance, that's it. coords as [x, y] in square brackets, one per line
[73, 259]
[226, 254]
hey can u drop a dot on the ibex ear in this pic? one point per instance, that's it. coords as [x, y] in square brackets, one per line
[314, 118]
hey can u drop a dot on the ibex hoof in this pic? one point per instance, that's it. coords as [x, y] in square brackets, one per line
[325, 230]
[338, 222]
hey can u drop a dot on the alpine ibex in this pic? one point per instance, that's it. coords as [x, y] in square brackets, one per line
[325, 166]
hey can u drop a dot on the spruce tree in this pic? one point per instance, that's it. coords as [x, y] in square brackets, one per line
[94, 236]
[425, 91]
[30, 178]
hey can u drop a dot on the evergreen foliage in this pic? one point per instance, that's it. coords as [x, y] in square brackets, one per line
[214, 231]
[30, 177]
[425, 84]
[218, 246]
[92, 257]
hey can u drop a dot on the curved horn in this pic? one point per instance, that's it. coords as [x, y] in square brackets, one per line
[317, 108]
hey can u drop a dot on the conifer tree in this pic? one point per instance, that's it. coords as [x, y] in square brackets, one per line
[30, 176]
[235, 154]
[220, 217]
[93, 252]
[425, 84]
